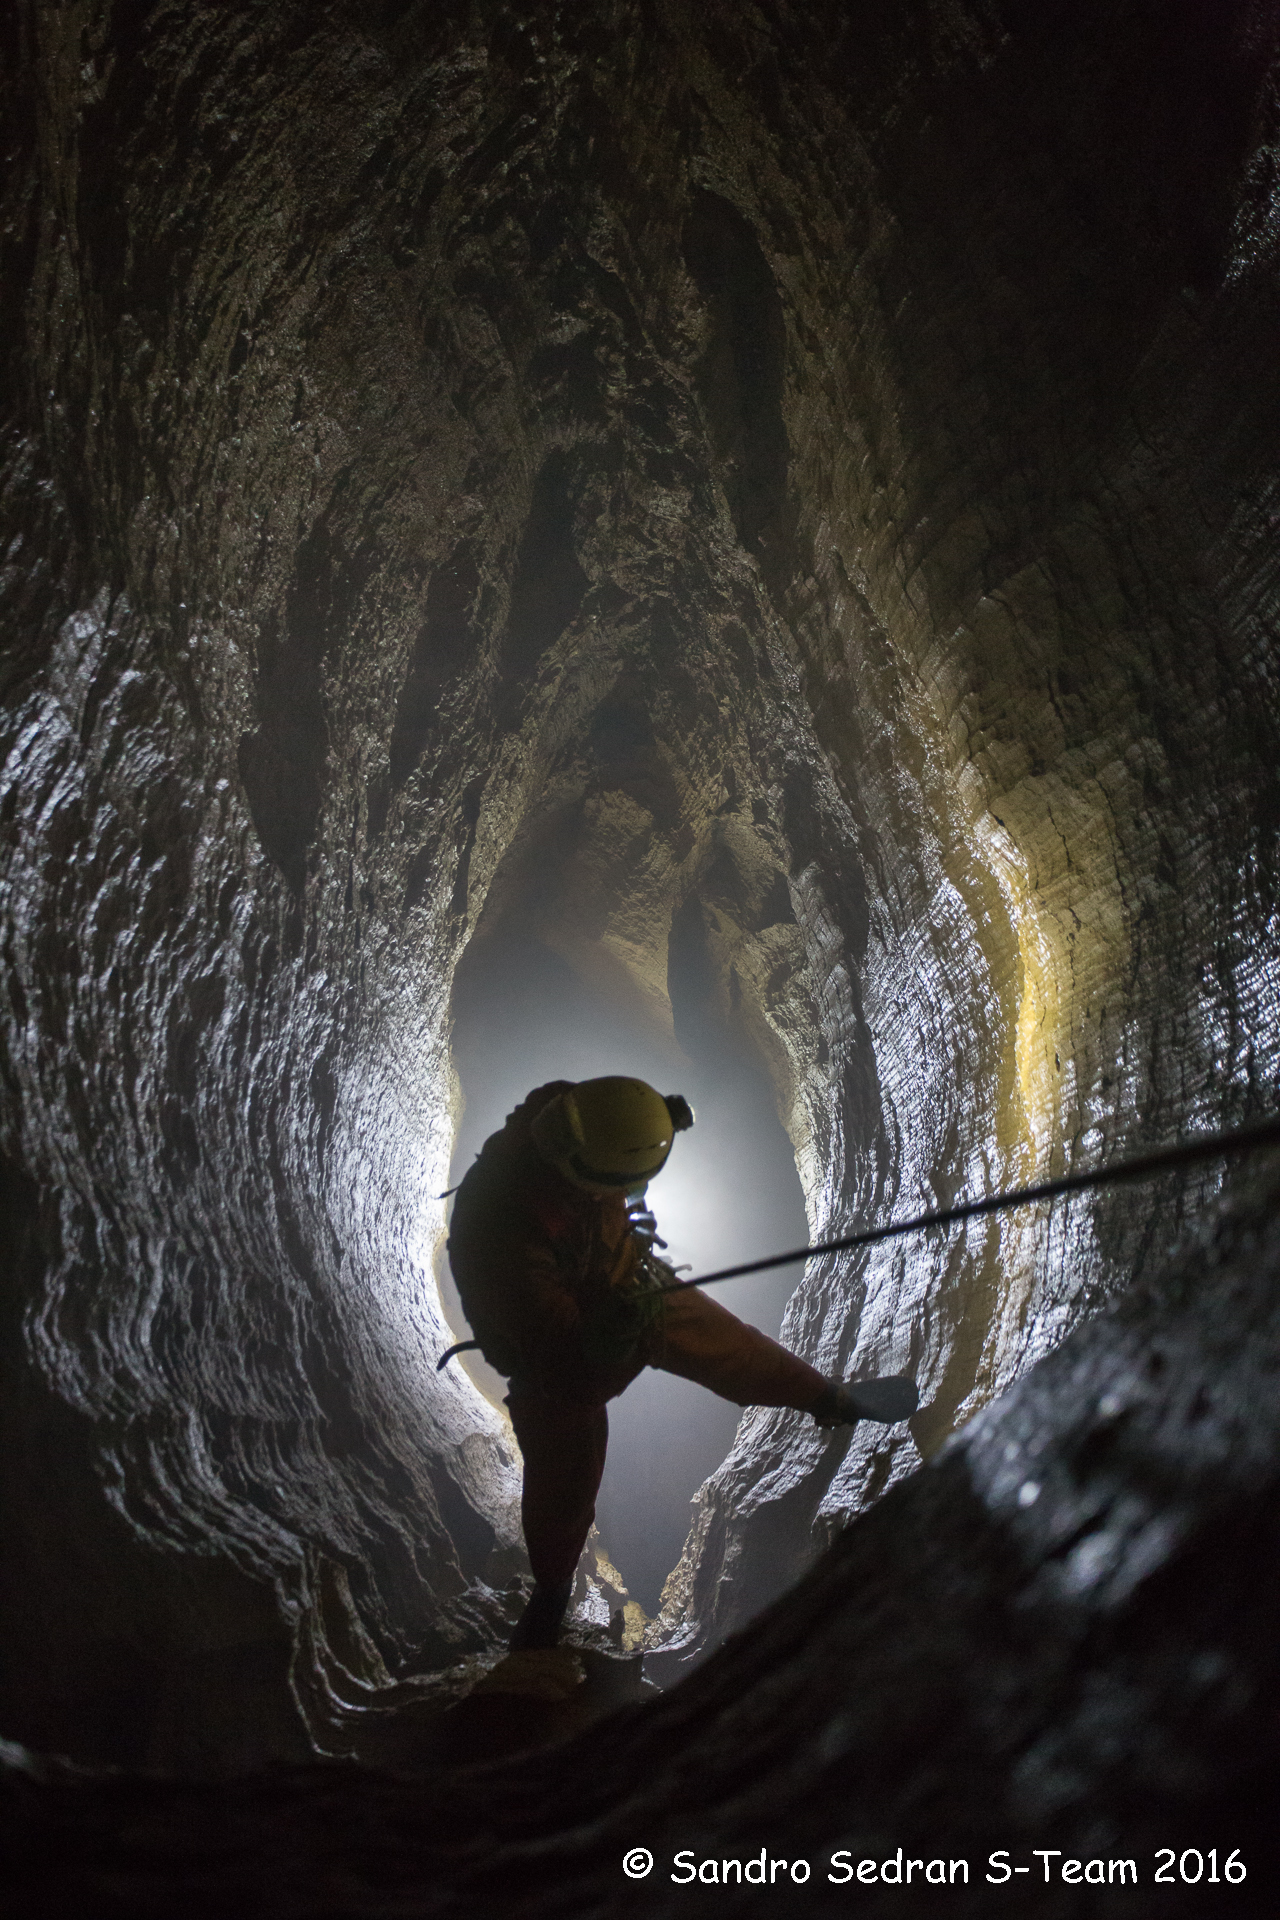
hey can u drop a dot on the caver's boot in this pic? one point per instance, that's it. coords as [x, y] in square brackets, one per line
[889, 1400]
[539, 1625]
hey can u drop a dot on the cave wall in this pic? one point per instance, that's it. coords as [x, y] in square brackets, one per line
[1051, 1649]
[817, 463]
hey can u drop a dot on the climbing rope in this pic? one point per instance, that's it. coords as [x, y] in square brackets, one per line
[1212, 1146]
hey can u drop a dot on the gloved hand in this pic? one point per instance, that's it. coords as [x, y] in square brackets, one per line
[645, 1228]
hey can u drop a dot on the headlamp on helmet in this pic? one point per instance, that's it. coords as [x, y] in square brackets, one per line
[610, 1135]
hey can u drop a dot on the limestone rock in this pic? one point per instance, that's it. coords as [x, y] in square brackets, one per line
[795, 488]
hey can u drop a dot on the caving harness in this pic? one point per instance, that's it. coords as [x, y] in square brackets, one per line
[621, 1316]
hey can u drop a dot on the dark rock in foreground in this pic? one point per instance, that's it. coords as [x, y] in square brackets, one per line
[1063, 1634]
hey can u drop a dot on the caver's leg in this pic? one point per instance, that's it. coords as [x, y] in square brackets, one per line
[700, 1340]
[564, 1452]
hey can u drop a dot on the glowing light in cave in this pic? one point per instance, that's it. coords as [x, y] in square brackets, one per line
[1038, 1042]
[729, 1192]
[708, 1200]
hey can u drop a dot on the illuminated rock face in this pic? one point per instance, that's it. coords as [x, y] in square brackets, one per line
[800, 486]
[1054, 1646]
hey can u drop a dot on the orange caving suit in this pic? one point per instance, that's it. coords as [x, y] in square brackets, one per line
[552, 1281]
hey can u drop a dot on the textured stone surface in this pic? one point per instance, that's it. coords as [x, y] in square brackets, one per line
[799, 481]
[1062, 1633]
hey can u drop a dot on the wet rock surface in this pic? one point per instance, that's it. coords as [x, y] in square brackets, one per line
[1061, 1634]
[793, 490]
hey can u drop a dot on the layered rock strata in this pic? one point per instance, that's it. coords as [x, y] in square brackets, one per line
[1053, 1646]
[800, 484]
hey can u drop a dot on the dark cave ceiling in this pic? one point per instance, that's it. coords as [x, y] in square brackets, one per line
[789, 490]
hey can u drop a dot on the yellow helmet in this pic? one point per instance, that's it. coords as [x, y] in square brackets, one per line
[611, 1134]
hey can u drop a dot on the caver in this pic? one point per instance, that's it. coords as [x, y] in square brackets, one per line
[555, 1265]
